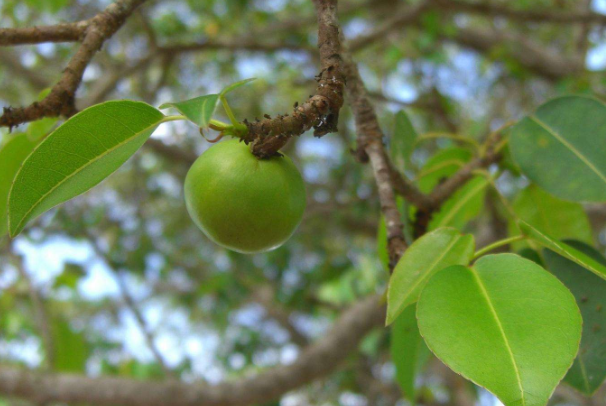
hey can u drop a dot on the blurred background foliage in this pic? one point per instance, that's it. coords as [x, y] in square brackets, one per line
[119, 281]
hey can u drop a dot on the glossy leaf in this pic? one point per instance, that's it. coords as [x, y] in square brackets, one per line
[402, 141]
[426, 256]
[12, 155]
[558, 218]
[463, 206]
[77, 156]
[199, 110]
[589, 369]
[563, 249]
[562, 147]
[408, 351]
[235, 85]
[506, 324]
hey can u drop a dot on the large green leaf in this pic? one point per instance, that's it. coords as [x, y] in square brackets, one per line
[402, 141]
[563, 249]
[463, 206]
[505, 323]
[589, 368]
[12, 155]
[426, 256]
[77, 156]
[198, 110]
[562, 147]
[408, 351]
[559, 218]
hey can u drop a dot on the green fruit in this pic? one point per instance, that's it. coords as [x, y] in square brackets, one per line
[243, 203]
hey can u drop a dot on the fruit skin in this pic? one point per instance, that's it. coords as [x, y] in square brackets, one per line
[241, 202]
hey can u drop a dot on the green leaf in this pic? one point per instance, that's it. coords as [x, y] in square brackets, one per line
[199, 110]
[589, 369]
[563, 249]
[77, 156]
[382, 242]
[561, 148]
[558, 218]
[70, 348]
[40, 128]
[408, 351]
[71, 275]
[426, 256]
[12, 155]
[235, 85]
[463, 206]
[506, 324]
[403, 140]
[440, 166]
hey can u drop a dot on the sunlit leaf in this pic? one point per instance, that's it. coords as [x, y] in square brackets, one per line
[77, 156]
[12, 155]
[562, 147]
[563, 249]
[558, 218]
[463, 206]
[199, 110]
[506, 324]
[426, 256]
[589, 369]
[408, 351]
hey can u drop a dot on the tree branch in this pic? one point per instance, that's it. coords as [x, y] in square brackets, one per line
[536, 16]
[40, 314]
[68, 32]
[370, 147]
[527, 53]
[316, 361]
[60, 100]
[320, 111]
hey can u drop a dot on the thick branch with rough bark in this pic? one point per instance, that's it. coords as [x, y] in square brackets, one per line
[61, 99]
[320, 111]
[536, 16]
[316, 361]
[526, 52]
[69, 32]
[370, 147]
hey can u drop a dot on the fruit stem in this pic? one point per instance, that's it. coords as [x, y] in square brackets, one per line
[228, 111]
[497, 244]
[173, 118]
[218, 125]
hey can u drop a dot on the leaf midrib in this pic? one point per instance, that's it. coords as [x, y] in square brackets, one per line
[571, 147]
[80, 169]
[501, 330]
[558, 245]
